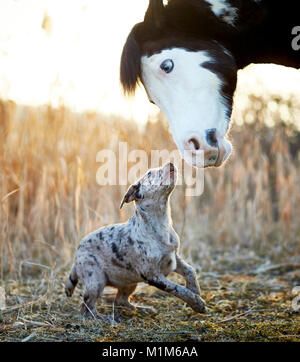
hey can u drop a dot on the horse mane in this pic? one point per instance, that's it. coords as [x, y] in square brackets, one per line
[150, 28]
[130, 68]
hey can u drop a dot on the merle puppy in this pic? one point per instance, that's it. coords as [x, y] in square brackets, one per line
[144, 249]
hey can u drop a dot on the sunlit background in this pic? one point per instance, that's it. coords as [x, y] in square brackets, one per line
[63, 51]
[68, 52]
[60, 104]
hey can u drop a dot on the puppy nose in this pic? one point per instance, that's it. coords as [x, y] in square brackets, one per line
[171, 166]
[211, 137]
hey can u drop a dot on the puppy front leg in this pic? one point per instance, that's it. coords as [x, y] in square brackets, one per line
[189, 275]
[193, 300]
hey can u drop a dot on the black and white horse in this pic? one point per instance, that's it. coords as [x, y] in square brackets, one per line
[187, 53]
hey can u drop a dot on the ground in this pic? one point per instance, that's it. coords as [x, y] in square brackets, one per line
[241, 235]
[240, 308]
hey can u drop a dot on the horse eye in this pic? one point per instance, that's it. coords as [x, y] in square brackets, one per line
[167, 65]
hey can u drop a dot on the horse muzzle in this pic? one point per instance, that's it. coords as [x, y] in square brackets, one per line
[208, 150]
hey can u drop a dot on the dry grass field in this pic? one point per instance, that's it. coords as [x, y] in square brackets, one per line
[242, 235]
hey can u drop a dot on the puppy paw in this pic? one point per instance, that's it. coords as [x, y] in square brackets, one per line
[89, 313]
[194, 289]
[199, 305]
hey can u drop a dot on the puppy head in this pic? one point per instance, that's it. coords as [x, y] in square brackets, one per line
[153, 188]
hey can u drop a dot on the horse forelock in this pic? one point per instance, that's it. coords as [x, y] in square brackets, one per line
[130, 67]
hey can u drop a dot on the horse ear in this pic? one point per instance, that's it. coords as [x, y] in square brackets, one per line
[130, 195]
[155, 14]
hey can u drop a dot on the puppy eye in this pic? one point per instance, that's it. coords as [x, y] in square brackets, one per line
[167, 65]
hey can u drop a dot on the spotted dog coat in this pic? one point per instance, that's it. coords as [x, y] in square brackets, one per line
[144, 249]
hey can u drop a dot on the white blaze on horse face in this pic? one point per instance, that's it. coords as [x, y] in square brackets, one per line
[190, 97]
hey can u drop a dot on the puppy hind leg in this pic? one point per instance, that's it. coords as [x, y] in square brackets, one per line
[122, 298]
[94, 285]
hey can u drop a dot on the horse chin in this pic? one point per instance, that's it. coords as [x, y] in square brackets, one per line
[224, 153]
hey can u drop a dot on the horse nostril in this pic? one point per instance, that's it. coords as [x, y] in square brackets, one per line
[211, 137]
[195, 143]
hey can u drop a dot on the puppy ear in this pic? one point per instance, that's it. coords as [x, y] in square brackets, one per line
[131, 194]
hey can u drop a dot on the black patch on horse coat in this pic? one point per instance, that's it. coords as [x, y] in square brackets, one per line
[224, 66]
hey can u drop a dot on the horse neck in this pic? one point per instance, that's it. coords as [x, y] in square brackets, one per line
[269, 41]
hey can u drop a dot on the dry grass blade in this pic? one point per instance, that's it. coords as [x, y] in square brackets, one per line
[41, 324]
[241, 235]
[32, 335]
[281, 268]
[23, 305]
[252, 310]
[9, 194]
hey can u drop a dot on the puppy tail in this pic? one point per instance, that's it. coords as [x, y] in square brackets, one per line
[71, 282]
